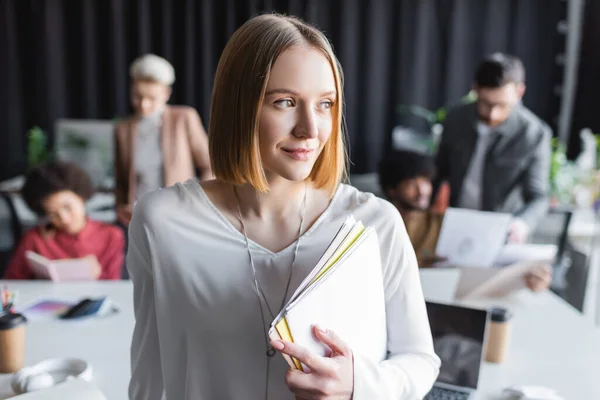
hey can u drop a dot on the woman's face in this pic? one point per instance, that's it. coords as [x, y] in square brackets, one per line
[296, 117]
[147, 97]
[65, 211]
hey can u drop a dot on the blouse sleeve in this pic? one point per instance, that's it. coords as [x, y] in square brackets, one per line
[146, 370]
[411, 366]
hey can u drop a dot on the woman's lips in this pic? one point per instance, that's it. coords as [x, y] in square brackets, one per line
[299, 154]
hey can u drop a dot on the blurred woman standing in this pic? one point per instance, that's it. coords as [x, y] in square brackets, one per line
[160, 144]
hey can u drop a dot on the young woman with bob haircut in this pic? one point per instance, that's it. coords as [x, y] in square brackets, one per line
[213, 262]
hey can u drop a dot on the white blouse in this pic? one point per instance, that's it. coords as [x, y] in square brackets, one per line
[198, 332]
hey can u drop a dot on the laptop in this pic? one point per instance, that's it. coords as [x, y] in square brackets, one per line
[472, 238]
[459, 338]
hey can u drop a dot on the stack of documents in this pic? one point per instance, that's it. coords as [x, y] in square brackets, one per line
[343, 293]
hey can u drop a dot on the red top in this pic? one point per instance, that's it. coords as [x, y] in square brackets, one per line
[104, 241]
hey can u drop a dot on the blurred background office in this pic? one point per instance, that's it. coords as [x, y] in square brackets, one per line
[65, 79]
[484, 105]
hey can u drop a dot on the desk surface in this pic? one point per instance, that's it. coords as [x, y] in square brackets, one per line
[104, 342]
[551, 344]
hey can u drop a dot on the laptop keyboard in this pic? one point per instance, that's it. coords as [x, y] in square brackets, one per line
[446, 394]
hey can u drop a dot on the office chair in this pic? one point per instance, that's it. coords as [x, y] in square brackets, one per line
[10, 232]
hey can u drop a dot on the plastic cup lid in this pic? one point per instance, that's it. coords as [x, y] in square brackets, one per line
[11, 320]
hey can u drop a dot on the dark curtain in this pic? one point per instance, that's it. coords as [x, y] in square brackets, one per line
[69, 58]
[585, 114]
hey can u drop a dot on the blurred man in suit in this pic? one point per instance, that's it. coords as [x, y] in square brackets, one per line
[495, 153]
[406, 180]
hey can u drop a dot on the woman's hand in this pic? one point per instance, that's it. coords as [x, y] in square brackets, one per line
[539, 278]
[518, 231]
[330, 377]
[124, 213]
[96, 267]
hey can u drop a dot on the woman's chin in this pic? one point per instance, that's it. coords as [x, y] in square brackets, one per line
[295, 175]
[293, 171]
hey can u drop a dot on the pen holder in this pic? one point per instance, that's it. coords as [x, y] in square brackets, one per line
[12, 342]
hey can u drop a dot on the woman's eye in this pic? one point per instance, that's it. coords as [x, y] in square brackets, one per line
[326, 105]
[285, 103]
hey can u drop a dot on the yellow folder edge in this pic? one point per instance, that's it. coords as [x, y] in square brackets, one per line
[284, 331]
[282, 325]
[355, 233]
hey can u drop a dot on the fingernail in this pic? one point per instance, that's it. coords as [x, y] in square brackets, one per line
[321, 329]
[277, 344]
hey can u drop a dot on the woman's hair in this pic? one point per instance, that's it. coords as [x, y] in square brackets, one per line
[151, 67]
[238, 93]
[51, 178]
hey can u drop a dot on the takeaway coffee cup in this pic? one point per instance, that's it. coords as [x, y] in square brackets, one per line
[12, 342]
[499, 334]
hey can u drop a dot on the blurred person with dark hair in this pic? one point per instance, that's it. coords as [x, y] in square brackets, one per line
[495, 153]
[160, 144]
[405, 178]
[57, 193]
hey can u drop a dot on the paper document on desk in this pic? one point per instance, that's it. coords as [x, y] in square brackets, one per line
[515, 253]
[492, 282]
[76, 269]
[472, 238]
[344, 293]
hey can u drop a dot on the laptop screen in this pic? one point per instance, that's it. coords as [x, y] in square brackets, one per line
[459, 339]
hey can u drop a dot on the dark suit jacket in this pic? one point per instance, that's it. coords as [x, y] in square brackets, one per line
[517, 165]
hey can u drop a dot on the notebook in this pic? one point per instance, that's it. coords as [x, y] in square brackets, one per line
[77, 269]
[492, 282]
[344, 293]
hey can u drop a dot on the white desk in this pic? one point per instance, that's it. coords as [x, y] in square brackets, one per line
[104, 342]
[552, 344]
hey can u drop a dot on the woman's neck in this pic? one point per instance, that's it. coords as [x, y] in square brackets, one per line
[283, 198]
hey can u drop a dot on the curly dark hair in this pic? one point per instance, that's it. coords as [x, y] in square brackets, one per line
[400, 165]
[53, 177]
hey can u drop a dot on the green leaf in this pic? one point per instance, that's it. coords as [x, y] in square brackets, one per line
[37, 143]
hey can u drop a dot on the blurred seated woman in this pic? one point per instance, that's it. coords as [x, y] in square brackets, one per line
[57, 192]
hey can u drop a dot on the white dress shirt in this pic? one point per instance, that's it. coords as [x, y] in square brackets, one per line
[470, 196]
[198, 332]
